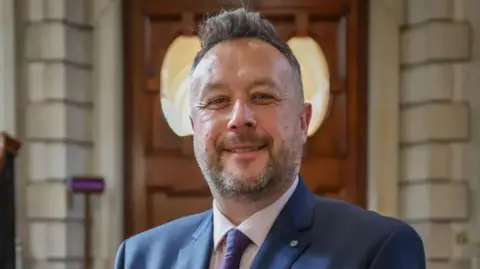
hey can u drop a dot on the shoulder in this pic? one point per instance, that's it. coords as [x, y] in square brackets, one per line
[344, 212]
[173, 233]
[159, 245]
[372, 239]
[351, 221]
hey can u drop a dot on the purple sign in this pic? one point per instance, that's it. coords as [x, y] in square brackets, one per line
[86, 184]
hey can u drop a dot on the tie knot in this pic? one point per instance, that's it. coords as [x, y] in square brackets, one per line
[237, 241]
[236, 244]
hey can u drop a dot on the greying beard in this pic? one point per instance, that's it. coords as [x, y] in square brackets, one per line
[277, 175]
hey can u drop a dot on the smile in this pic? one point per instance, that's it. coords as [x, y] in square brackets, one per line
[245, 149]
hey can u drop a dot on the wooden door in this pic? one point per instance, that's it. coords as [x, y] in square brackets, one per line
[163, 181]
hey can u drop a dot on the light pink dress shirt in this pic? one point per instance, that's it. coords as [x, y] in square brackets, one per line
[255, 227]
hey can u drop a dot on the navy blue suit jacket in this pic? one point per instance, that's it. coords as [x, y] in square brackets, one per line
[331, 234]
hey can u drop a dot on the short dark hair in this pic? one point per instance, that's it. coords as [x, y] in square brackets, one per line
[240, 23]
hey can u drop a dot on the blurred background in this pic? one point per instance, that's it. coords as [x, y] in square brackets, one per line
[97, 89]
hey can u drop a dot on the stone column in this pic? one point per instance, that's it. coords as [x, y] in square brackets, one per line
[471, 83]
[7, 67]
[434, 129]
[59, 139]
[108, 125]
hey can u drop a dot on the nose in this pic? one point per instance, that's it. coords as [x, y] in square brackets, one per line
[241, 117]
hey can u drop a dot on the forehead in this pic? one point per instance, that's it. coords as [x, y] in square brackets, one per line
[242, 59]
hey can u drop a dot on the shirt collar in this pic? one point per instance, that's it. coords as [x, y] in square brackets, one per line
[257, 226]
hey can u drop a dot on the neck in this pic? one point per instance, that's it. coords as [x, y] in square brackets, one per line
[239, 208]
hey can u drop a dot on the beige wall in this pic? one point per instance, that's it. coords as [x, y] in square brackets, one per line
[7, 67]
[471, 163]
[424, 139]
[69, 63]
[435, 128]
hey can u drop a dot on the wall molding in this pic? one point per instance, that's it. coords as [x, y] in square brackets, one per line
[385, 18]
[108, 129]
[8, 67]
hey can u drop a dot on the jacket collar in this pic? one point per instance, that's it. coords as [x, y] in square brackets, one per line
[198, 252]
[286, 240]
[289, 235]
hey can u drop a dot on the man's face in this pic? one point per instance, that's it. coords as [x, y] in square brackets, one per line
[249, 123]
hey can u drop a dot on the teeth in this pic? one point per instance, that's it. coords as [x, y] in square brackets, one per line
[243, 150]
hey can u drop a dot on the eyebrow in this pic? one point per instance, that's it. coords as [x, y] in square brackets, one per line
[215, 86]
[256, 83]
[263, 82]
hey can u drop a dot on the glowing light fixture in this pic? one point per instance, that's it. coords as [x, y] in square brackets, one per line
[179, 59]
[174, 85]
[315, 78]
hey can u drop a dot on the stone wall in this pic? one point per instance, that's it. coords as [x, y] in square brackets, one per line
[435, 128]
[7, 67]
[57, 78]
[71, 91]
[471, 161]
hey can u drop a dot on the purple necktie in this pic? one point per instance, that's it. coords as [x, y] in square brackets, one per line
[237, 242]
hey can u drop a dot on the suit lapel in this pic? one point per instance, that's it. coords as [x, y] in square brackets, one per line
[280, 250]
[289, 235]
[198, 252]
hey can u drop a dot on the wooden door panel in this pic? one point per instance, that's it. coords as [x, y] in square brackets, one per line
[330, 141]
[164, 207]
[163, 179]
[159, 137]
[329, 32]
[168, 27]
[327, 7]
[177, 173]
[322, 174]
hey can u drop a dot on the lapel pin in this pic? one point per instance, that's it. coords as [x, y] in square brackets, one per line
[293, 243]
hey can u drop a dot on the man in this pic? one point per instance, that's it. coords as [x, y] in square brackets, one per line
[250, 123]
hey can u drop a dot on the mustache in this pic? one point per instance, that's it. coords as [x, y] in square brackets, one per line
[233, 139]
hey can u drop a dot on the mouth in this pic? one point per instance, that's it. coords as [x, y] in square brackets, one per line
[245, 149]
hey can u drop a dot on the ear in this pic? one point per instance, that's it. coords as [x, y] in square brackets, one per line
[305, 117]
[191, 123]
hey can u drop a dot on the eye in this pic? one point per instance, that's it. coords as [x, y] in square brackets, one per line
[263, 97]
[218, 102]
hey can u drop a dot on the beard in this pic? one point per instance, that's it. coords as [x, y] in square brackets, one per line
[277, 174]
